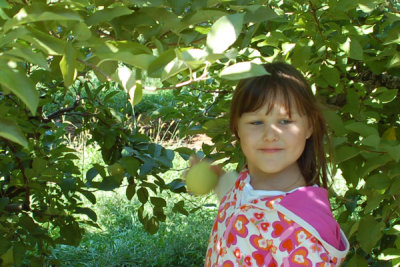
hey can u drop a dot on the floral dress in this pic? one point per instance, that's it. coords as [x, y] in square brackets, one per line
[273, 228]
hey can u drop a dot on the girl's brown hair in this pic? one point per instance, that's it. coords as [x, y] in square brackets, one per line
[285, 81]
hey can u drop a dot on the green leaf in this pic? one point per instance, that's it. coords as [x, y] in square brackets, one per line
[369, 232]
[394, 152]
[20, 85]
[334, 121]
[372, 140]
[378, 181]
[28, 55]
[143, 195]
[362, 129]
[357, 261]
[141, 61]
[356, 50]
[387, 95]
[130, 191]
[158, 65]
[243, 70]
[395, 59]
[330, 74]
[184, 152]
[68, 65]
[81, 32]
[109, 183]
[38, 12]
[89, 195]
[344, 153]
[201, 16]
[136, 95]
[13, 35]
[158, 202]
[70, 234]
[177, 186]
[389, 254]
[194, 56]
[258, 13]
[126, 78]
[105, 70]
[374, 163]
[172, 68]
[3, 202]
[352, 48]
[45, 42]
[11, 131]
[5, 245]
[301, 54]
[19, 254]
[107, 15]
[224, 32]
[89, 212]
[179, 208]
[130, 164]
[152, 225]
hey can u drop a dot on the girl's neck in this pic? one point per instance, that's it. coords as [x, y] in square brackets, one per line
[285, 181]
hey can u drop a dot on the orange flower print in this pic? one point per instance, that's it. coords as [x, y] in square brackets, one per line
[223, 252]
[236, 227]
[264, 250]
[264, 226]
[258, 215]
[237, 253]
[208, 258]
[247, 261]
[286, 231]
[228, 263]
[302, 235]
[299, 258]
[222, 212]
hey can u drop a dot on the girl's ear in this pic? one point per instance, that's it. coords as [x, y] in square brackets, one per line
[309, 131]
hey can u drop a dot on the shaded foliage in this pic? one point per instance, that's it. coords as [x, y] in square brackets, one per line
[349, 50]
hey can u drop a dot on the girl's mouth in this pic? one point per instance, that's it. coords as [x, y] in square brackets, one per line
[271, 150]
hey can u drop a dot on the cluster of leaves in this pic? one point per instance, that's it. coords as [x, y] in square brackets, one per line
[349, 50]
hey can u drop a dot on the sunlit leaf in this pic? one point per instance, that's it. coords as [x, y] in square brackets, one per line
[20, 85]
[224, 32]
[243, 70]
[11, 131]
[68, 65]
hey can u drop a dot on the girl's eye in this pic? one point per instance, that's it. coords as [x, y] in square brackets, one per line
[256, 122]
[286, 121]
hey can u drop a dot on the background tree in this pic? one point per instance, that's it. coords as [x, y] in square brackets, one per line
[77, 52]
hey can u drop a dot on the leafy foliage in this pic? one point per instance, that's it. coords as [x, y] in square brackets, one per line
[349, 50]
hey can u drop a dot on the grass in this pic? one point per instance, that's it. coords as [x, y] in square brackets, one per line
[122, 240]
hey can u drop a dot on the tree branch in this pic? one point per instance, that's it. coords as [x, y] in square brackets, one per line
[60, 112]
[314, 13]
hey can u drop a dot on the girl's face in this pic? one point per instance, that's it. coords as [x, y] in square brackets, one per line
[273, 142]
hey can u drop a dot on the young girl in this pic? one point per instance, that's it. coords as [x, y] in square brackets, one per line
[277, 211]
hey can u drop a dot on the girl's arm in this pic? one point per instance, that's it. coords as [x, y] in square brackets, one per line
[225, 183]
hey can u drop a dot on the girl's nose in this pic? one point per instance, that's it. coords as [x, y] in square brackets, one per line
[271, 132]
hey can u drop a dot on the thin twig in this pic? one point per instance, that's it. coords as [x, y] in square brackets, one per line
[314, 13]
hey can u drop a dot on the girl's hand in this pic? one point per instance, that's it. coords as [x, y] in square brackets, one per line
[193, 160]
[197, 172]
